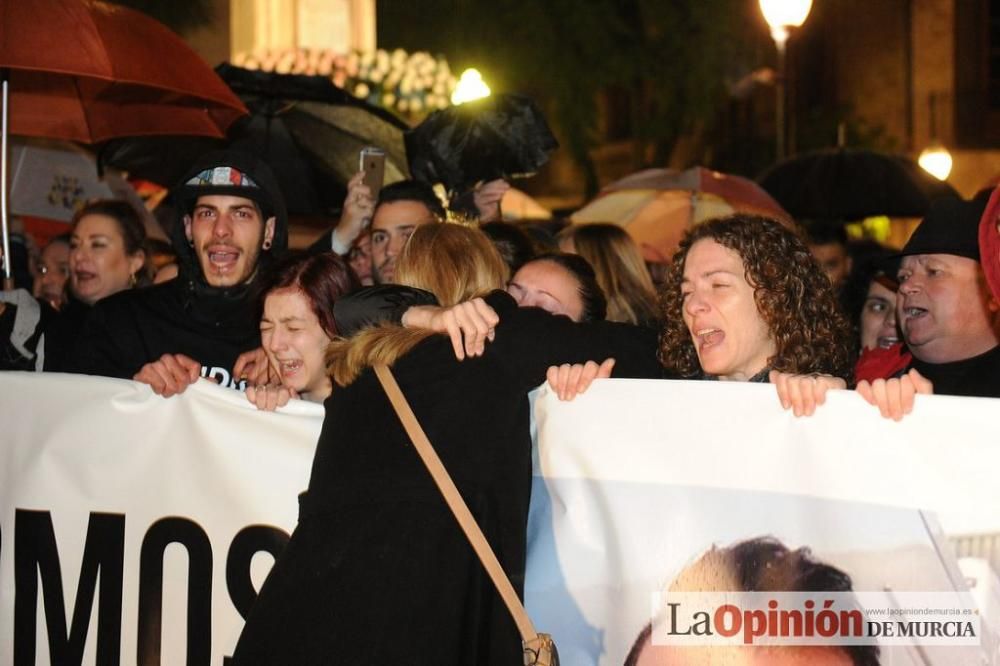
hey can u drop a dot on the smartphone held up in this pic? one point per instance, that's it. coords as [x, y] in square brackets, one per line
[372, 164]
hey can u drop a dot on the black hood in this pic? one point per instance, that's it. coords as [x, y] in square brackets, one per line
[247, 177]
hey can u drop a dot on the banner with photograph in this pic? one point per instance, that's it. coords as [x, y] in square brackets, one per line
[638, 480]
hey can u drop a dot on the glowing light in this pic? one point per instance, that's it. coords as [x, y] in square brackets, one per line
[784, 14]
[470, 86]
[936, 160]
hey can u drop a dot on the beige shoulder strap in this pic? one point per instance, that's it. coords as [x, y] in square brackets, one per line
[457, 504]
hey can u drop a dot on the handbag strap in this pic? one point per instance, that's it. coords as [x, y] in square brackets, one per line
[456, 504]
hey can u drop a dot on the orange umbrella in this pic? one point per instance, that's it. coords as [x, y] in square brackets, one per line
[656, 206]
[88, 71]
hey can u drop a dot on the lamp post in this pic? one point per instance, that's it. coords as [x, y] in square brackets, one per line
[782, 16]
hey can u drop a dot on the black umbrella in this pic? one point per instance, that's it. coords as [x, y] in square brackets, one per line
[306, 128]
[847, 184]
[500, 136]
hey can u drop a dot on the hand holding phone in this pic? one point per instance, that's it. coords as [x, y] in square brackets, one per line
[373, 166]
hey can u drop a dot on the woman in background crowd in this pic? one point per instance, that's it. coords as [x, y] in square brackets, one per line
[883, 353]
[107, 252]
[878, 314]
[619, 268]
[107, 255]
[297, 325]
[563, 284]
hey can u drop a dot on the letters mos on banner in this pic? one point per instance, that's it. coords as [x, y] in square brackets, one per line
[137, 529]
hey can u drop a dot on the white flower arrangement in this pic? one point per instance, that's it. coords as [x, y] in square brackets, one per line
[411, 84]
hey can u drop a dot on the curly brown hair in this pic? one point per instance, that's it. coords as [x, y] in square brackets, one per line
[793, 296]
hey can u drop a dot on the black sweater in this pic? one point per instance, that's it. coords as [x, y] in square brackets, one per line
[976, 376]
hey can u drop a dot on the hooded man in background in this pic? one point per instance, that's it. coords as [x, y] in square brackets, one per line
[233, 224]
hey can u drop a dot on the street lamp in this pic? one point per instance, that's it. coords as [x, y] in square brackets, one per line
[782, 15]
[936, 160]
[470, 86]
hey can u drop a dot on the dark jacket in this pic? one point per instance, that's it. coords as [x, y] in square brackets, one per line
[212, 325]
[378, 571]
[62, 334]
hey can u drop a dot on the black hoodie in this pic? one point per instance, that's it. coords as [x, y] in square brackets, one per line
[212, 325]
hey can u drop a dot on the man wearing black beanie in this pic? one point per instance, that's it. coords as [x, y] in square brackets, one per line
[233, 223]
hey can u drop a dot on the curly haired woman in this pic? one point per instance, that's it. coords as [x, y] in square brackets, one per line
[745, 301]
[744, 297]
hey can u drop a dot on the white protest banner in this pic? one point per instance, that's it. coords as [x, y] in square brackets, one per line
[137, 528]
[636, 480]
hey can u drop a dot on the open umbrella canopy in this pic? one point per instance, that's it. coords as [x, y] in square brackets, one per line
[86, 71]
[306, 128]
[51, 180]
[500, 136]
[656, 206]
[849, 184]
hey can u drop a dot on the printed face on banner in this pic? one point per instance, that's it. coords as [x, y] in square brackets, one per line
[731, 338]
[294, 340]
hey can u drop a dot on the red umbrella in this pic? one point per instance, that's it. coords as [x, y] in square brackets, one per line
[88, 71]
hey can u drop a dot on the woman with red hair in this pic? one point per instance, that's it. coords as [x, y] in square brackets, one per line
[297, 324]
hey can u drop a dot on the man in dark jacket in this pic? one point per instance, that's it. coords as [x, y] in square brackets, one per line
[233, 224]
[945, 309]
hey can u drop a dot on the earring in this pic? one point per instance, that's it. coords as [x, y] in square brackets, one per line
[132, 281]
[267, 245]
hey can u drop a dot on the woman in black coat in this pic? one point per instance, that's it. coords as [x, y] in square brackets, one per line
[378, 571]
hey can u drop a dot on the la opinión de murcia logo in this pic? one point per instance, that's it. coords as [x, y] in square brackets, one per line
[815, 618]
